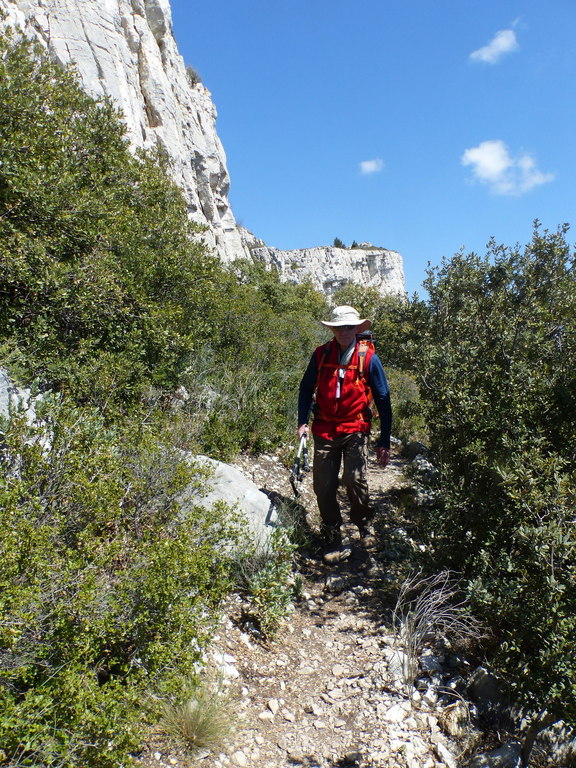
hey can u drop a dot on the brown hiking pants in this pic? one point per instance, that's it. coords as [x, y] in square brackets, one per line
[328, 456]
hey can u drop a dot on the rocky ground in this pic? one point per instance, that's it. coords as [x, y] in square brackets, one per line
[328, 690]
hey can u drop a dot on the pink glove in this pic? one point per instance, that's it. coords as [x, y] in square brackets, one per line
[383, 456]
[302, 430]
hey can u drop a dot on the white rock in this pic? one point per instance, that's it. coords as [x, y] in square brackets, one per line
[395, 714]
[330, 268]
[506, 756]
[430, 662]
[228, 484]
[445, 755]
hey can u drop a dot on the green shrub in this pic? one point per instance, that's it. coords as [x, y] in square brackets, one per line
[99, 277]
[105, 294]
[408, 411]
[265, 575]
[496, 363]
[106, 590]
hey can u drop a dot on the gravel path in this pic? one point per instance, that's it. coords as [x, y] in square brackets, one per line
[327, 691]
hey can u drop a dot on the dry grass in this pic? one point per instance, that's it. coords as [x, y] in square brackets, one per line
[429, 608]
[204, 720]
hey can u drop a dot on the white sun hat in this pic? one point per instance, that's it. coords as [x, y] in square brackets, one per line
[346, 315]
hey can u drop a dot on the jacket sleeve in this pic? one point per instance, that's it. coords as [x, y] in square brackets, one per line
[381, 395]
[306, 392]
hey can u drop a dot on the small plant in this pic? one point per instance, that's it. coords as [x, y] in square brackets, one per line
[193, 76]
[203, 720]
[427, 608]
[267, 578]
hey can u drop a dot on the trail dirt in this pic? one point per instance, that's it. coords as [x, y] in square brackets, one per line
[324, 692]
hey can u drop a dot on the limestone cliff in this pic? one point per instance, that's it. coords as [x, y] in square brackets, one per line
[126, 49]
[331, 268]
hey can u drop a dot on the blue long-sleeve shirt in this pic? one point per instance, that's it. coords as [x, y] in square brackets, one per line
[378, 385]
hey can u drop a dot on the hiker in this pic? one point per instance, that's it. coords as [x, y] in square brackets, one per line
[341, 379]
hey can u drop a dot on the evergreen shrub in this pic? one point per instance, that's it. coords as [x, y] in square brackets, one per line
[99, 276]
[106, 589]
[496, 363]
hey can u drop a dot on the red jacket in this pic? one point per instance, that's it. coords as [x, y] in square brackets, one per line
[350, 411]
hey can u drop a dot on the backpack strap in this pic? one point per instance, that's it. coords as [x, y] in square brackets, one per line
[363, 348]
[325, 352]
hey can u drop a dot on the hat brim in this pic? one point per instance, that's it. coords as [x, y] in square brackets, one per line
[362, 325]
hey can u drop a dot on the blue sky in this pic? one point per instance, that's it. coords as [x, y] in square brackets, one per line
[423, 126]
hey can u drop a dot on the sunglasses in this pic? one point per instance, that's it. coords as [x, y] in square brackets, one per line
[344, 327]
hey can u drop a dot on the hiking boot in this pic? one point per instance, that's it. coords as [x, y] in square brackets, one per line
[334, 549]
[330, 537]
[337, 555]
[367, 534]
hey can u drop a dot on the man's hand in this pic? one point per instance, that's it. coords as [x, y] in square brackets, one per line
[302, 430]
[383, 456]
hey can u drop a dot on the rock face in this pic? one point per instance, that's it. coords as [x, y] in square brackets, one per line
[14, 399]
[331, 268]
[126, 49]
[228, 484]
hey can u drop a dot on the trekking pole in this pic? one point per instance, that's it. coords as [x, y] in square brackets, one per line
[306, 466]
[296, 473]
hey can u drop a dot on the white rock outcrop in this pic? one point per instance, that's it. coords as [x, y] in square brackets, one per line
[229, 485]
[15, 399]
[331, 268]
[126, 49]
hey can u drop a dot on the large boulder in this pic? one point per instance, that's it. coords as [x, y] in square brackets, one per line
[228, 484]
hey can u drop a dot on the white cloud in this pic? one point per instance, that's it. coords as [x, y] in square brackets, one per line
[371, 166]
[502, 43]
[493, 165]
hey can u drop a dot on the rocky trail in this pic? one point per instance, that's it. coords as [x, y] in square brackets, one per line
[328, 690]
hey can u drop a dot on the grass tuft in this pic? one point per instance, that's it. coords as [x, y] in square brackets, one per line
[204, 720]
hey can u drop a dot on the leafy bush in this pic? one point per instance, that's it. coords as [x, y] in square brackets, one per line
[496, 365]
[193, 75]
[104, 293]
[106, 590]
[244, 381]
[409, 419]
[99, 277]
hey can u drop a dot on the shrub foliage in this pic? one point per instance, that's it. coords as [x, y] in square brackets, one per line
[104, 586]
[109, 301]
[496, 365]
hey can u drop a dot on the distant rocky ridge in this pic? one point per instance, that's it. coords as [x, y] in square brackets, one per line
[331, 268]
[126, 49]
